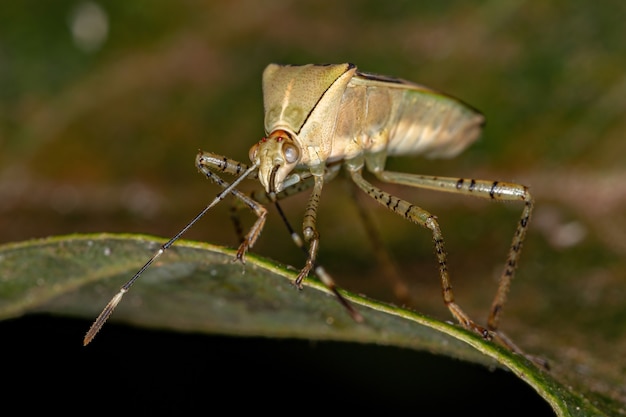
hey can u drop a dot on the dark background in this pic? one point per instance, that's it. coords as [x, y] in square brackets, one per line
[132, 370]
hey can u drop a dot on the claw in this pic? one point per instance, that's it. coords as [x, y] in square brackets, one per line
[241, 253]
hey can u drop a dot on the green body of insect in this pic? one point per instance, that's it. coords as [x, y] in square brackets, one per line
[327, 113]
[319, 118]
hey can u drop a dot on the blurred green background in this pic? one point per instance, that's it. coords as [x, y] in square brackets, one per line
[103, 106]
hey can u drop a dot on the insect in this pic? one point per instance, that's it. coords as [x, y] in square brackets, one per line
[322, 118]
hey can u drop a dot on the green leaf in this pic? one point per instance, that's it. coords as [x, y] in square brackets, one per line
[197, 287]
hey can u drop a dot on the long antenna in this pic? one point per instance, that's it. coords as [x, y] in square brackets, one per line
[106, 312]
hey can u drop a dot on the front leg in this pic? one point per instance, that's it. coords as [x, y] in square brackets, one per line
[207, 163]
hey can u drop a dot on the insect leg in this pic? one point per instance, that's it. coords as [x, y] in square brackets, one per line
[423, 218]
[309, 230]
[492, 190]
[320, 271]
[305, 181]
[207, 163]
[302, 181]
[387, 264]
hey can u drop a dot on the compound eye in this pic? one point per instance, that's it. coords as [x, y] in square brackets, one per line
[253, 152]
[291, 153]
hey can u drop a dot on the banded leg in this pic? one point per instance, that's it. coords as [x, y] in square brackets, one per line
[492, 190]
[308, 180]
[309, 229]
[387, 264]
[207, 163]
[320, 271]
[423, 218]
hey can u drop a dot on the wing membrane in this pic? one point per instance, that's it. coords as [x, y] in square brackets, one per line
[418, 120]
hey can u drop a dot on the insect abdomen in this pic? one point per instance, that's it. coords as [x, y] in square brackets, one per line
[431, 124]
[402, 119]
